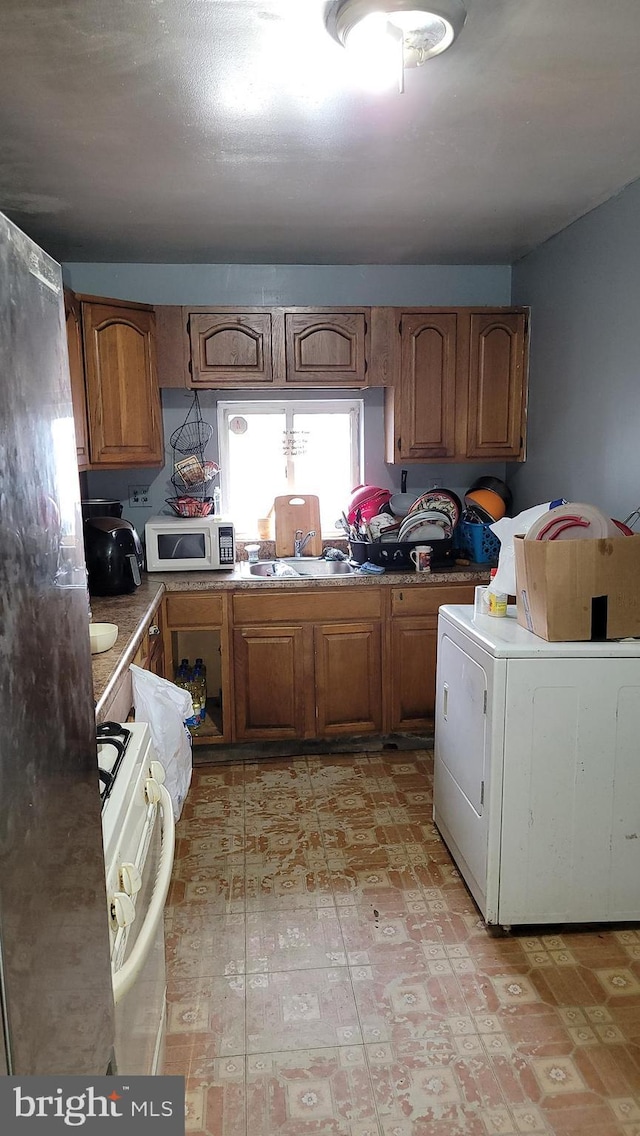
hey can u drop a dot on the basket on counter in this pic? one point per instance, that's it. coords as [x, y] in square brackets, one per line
[396, 555]
[477, 542]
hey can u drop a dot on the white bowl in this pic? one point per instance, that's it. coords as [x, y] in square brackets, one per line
[103, 636]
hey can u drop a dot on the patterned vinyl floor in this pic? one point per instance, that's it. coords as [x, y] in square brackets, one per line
[329, 974]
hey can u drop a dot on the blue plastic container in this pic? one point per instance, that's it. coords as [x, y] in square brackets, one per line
[477, 542]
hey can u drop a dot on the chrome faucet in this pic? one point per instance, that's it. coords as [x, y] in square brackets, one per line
[300, 542]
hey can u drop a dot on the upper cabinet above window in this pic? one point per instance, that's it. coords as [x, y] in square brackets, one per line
[231, 349]
[277, 347]
[325, 349]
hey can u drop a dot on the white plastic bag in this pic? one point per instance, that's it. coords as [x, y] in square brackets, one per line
[165, 706]
[505, 577]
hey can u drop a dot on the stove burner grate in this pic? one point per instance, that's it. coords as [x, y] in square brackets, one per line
[116, 736]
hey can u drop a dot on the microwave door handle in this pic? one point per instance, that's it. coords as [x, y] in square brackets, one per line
[135, 569]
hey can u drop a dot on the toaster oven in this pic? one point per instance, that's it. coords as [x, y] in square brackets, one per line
[183, 544]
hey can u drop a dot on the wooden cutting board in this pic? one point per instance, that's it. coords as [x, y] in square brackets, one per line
[297, 512]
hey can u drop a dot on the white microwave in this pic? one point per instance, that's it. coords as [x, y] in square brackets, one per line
[189, 544]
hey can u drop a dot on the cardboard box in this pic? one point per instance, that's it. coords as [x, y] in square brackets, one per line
[578, 589]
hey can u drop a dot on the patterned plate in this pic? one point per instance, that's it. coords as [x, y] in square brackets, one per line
[444, 500]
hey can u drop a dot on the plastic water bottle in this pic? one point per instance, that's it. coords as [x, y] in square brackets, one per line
[200, 683]
[184, 679]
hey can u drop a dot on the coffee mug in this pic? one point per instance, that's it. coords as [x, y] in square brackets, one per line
[421, 556]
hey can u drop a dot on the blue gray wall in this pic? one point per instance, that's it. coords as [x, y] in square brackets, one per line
[261, 284]
[305, 284]
[584, 394]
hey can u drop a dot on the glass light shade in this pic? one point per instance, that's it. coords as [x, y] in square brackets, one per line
[425, 30]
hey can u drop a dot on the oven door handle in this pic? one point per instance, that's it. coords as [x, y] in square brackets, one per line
[124, 978]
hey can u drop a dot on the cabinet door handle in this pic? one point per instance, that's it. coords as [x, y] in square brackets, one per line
[445, 699]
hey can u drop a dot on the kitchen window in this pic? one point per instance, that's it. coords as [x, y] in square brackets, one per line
[268, 449]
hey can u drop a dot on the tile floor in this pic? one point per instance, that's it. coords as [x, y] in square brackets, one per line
[329, 973]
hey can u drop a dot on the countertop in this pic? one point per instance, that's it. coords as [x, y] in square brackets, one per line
[239, 578]
[132, 613]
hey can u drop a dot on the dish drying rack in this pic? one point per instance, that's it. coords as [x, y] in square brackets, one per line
[192, 473]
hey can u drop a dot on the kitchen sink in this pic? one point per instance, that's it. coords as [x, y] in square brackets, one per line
[308, 566]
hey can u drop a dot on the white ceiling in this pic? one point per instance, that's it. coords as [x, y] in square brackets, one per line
[232, 131]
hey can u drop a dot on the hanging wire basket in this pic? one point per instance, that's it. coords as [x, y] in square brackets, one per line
[193, 435]
[192, 506]
[193, 475]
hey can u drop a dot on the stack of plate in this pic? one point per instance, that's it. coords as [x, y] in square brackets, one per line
[425, 524]
[432, 516]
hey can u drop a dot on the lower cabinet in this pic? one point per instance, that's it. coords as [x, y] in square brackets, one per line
[307, 664]
[118, 706]
[150, 653]
[269, 671]
[411, 668]
[307, 681]
[413, 674]
[348, 678]
[196, 626]
[325, 663]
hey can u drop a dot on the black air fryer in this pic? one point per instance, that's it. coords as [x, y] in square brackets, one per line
[114, 556]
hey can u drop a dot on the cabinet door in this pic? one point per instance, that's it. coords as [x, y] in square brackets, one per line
[348, 678]
[496, 390]
[324, 349]
[269, 676]
[427, 386]
[125, 422]
[231, 349]
[156, 645]
[413, 673]
[76, 370]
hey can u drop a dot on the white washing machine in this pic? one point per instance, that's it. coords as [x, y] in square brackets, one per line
[537, 770]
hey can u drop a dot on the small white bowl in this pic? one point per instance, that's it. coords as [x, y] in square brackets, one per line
[103, 636]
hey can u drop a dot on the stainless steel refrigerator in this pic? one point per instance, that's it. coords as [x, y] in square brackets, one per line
[55, 980]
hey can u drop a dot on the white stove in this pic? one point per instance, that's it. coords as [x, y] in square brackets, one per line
[138, 835]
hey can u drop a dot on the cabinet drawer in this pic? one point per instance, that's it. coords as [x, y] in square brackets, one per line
[278, 607]
[191, 610]
[427, 600]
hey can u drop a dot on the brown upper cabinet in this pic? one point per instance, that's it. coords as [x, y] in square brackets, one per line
[277, 347]
[427, 386]
[113, 374]
[231, 349]
[73, 318]
[496, 381]
[455, 379]
[325, 349]
[460, 386]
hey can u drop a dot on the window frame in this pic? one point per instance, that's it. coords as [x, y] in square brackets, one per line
[230, 408]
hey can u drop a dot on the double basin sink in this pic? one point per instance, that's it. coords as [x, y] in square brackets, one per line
[304, 567]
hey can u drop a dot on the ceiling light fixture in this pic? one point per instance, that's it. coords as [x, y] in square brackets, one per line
[405, 31]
